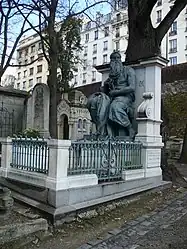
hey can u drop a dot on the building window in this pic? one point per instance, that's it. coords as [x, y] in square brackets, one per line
[96, 35]
[173, 46]
[76, 81]
[84, 77]
[26, 61]
[32, 58]
[39, 79]
[19, 65]
[159, 3]
[94, 61]
[87, 38]
[85, 50]
[32, 48]
[30, 82]
[40, 57]
[24, 85]
[18, 85]
[117, 46]
[159, 16]
[19, 76]
[94, 48]
[84, 124]
[39, 68]
[88, 25]
[117, 32]
[173, 60]
[79, 126]
[40, 45]
[173, 30]
[31, 71]
[118, 17]
[93, 75]
[85, 64]
[19, 54]
[104, 58]
[25, 73]
[26, 51]
[105, 45]
[106, 31]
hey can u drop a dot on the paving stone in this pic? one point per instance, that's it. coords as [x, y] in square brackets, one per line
[85, 246]
[133, 247]
[142, 233]
[95, 242]
[115, 231]
[146, 223]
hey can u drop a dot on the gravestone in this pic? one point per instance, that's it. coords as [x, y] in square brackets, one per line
[38, 109]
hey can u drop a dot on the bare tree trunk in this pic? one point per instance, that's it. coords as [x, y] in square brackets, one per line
[183, 157]
[53, 98]
[144, 39]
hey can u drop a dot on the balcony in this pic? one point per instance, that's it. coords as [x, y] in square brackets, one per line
[174, 32]
[173, 50]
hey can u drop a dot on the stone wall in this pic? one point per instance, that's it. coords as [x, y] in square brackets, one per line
[14, 100]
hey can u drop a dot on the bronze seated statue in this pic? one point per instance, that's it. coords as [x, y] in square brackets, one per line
[111, 109]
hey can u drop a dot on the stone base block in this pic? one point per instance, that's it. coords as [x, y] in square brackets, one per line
[76, 181]
[133, 174]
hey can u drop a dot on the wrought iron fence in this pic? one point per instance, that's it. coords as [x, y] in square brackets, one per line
[7, 125]
[107, 159]
[30, 155]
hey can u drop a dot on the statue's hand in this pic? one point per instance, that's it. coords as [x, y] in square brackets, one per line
[113, 93]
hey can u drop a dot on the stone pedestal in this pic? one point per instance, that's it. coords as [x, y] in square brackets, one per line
[149, 114]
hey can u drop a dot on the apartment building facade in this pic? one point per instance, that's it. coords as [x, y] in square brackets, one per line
[30, 50]
[99, 39]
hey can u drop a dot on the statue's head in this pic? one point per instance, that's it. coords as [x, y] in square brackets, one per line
[116, 66]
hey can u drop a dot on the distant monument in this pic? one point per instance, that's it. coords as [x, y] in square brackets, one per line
[111, 109]
[38, 109]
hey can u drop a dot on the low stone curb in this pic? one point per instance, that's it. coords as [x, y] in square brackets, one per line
[16, 231]
[142, 225]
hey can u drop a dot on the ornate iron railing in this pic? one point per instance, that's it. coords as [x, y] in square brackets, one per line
[105, 158]
[30, 155]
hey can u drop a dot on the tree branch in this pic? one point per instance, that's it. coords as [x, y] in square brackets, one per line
[166, 23]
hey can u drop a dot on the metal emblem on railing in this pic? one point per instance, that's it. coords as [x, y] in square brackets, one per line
[105, 157]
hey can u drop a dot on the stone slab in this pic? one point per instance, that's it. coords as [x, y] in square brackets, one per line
[12, 232]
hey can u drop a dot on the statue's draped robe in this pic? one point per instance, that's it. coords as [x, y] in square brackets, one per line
[121, 106]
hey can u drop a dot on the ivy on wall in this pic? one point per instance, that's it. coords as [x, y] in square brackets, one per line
[175, 106]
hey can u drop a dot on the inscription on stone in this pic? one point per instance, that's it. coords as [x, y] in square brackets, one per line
[153, 158]
[39, 108]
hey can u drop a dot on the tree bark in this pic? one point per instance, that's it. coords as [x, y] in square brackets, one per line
[144, 39]
[183, 157]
